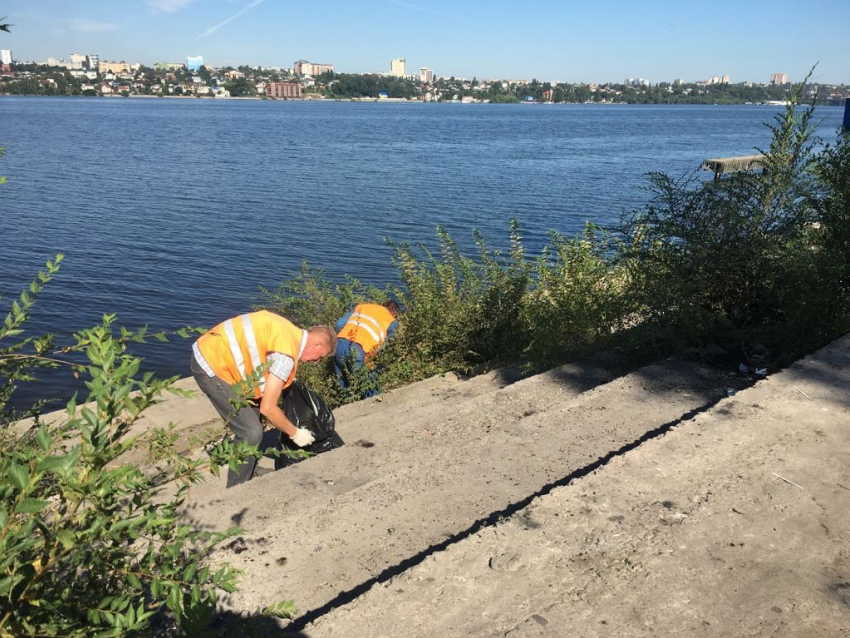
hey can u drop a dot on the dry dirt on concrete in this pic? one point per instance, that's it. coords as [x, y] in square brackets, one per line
[323, 530]
[735, 523]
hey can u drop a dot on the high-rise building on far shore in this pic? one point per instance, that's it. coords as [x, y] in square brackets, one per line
[778, 79]
[5, 56]
[303, 67]
[78, 61]
[194, 62]
[397, 67]
[426, 75]
[92, 61]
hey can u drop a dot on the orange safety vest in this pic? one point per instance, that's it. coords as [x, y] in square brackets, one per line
[236, 347]
[367, 326]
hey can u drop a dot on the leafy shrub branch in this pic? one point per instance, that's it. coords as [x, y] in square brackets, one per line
[90, 545]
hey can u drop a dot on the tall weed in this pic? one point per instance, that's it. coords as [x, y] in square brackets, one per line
[460, 312]
[579, 297]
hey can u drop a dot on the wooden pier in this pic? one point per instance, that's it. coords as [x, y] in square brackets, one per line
[722, 165]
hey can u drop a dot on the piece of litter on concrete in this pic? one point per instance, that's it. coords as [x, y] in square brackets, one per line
[742, 368]
[762, 372]
[786, 480]
[731, 392]
[801, 392]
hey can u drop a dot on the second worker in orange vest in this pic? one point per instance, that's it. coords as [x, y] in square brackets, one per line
[246, 345]
[359, 335]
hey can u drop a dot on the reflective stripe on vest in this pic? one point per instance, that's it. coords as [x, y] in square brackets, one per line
[201, 361]
[251, 341]
[366, 329]
[380, 337]
[236, 348]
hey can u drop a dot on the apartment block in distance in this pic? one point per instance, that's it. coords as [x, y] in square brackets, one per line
[115, 67]
[303, 67]
[778, 79]
[426, 75]
[78, 61]
[168, 66]
[5, 56]
[283, 90]
[397, 67]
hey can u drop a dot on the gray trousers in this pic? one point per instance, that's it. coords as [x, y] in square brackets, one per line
[244, 423]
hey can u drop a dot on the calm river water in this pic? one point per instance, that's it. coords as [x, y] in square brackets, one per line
[175, 212]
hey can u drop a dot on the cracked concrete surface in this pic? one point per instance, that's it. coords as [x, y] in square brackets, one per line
[735, 523]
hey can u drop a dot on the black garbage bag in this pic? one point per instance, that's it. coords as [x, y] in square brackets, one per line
[306, 409]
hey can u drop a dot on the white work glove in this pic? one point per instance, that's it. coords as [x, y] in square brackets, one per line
[303, 437]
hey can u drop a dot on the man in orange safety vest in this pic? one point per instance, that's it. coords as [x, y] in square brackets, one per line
[262, 349]
[359, 335]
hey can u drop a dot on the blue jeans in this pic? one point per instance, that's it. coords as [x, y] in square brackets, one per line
[348, 358]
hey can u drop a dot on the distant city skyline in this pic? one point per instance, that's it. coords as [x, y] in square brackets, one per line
[606, 41]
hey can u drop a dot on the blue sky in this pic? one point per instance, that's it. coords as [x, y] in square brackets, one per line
[571, 41]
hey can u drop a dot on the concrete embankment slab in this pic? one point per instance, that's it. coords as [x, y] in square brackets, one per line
[735, 523]
[379, 430]
[318, 531]
[195, 420]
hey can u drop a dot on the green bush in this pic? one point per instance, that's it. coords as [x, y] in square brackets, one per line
[90, 546]
[459, 312]
[831, 201]
[579, 300]
[742, 263]
[756, 264]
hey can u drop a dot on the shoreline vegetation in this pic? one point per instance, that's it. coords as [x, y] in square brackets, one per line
[245, 82]
[753, 269]
[390, 100]
[378, 100]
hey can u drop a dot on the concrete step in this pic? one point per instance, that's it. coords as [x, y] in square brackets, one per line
[734, 522]
[378, 434]
[196, 420]
[319, 530]
[435, 394]
[439, 389]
